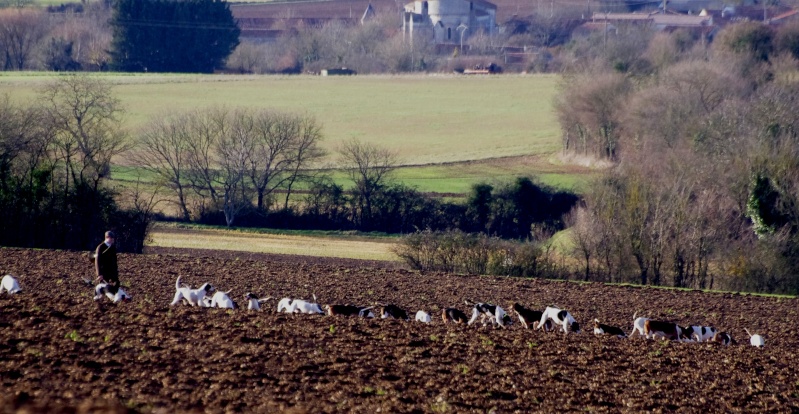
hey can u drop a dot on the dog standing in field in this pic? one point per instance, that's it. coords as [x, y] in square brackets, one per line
[722, 337]
[453, 315]
[284, 305]
[193, 297]
[253, 302]
[666, 330]
[10, 285]
[394, 312]
[561, 318]
[422, 316]
[298, 306]
[488, 312]
[700, 333]
[529, 317]
[222, 300]
[755, 340]
[303, 306]
[602, 329]
[638, 325]
[114, 293]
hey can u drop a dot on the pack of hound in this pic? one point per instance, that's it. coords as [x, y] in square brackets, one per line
[551, 319]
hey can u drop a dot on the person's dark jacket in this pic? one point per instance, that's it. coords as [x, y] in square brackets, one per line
[106, 263]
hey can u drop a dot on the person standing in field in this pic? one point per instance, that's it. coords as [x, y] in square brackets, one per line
[105, 260]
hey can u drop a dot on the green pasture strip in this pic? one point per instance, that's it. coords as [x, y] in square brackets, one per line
[724, 292]
[270, 241]
[427, 119]
[449, 178]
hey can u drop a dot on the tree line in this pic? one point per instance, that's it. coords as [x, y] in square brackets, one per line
[703, 140]
[195, 36]
[55, 158]
[248, 167]
[225, 166]
[202, 36]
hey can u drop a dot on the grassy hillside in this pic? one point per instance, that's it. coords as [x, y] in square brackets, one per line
[450, 131]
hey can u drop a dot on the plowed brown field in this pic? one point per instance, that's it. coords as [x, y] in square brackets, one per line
[62, 352]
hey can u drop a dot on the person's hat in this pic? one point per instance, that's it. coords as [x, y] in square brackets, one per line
[110, 234]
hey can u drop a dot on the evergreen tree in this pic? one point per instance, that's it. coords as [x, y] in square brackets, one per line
[172, 35]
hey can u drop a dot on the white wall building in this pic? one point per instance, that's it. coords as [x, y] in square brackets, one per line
[450, 19]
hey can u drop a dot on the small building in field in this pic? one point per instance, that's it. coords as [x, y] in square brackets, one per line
[451, 21]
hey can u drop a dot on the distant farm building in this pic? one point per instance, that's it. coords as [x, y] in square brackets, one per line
[451, 21]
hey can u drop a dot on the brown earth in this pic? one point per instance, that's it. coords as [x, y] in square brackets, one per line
[62, 352]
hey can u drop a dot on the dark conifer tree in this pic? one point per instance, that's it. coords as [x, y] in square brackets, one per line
[172, 35]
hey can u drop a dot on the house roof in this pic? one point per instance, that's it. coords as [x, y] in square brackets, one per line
[663, 20]
[682, 20]
[783, 16]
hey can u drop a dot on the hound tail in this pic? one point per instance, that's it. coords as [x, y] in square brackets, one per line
[177, 283]
[635, 316]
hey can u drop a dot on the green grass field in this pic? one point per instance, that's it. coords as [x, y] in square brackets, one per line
[449, 131]
[427, 119]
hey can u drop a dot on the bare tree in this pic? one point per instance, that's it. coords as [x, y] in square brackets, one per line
[278, 146]
[88, 121]
[368, 167]
[584, 237]
[248, 57]
[590, 109]
[162, 148]
[88, 36]
[305, 151]
[234, 151]
[206, 128]
[21, 30]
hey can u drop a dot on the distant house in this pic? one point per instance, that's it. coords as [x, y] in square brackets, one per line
[657, 20]
[451, 21]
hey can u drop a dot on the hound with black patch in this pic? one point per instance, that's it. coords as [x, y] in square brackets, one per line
[254, 302]
[529, 317]
[350, 310]
[193, 297]
[284, 305]
[10, 285]
[722, 337]
[488, 312]
[114, 293]
[561, 318]
[453, 315]
[700, 333]
[666, 330]
[394, 312]
[602, 329]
